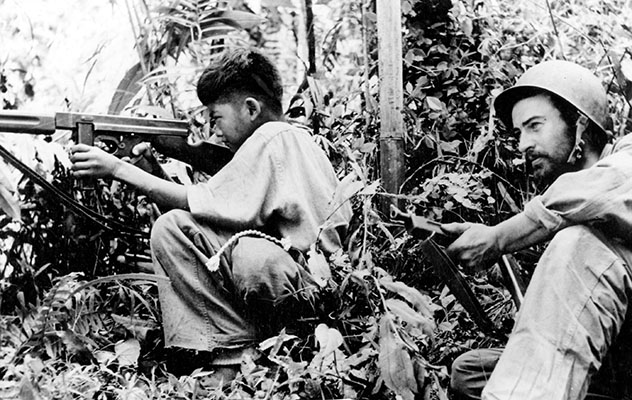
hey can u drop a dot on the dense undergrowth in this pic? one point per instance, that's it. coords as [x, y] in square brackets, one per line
[79, 313]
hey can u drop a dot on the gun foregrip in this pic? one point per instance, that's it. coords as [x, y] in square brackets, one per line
[85, 133]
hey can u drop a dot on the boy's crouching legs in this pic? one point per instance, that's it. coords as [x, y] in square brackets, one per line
[275, 289]
[197, 305]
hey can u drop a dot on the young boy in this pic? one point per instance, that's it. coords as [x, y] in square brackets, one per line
[279, 183]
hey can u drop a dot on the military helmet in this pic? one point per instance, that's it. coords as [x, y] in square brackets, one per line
[573, 83]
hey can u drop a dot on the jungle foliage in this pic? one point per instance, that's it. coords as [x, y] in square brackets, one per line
[79, 316]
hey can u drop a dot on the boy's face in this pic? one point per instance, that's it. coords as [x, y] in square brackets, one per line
[232, 122]
[545, 139]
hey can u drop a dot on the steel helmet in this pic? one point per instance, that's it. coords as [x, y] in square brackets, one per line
[572, 82]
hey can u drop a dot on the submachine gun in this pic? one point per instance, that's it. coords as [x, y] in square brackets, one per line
[115, 134]
[428, 231]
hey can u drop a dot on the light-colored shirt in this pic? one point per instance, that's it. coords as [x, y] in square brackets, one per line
[600, 195]
[280, 182]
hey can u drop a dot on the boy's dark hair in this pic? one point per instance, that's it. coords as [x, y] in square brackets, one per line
[241, 72]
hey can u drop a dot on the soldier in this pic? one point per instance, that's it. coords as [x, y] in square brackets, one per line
[578, 297]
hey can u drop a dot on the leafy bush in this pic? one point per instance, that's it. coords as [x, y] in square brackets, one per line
[389, 326]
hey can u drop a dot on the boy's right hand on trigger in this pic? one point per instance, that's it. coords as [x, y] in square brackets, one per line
[141, 150]
[143, 157]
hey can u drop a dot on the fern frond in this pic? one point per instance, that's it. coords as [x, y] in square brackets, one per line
[51, 315]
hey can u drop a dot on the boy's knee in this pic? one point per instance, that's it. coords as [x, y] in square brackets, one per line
[262, 266]
[167, 222]
[167, 225]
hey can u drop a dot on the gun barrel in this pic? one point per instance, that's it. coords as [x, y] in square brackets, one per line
[118, 124]
[17, 122]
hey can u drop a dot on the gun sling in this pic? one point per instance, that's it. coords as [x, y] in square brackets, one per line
[68, 201]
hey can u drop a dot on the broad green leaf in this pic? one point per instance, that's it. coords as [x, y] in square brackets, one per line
[329, 339]
[318, 266]
[450, 147]
[234, 18]
[126, 90]
[626, 69]
[395, 363]
[413, 319]
[9, 204]
[276, 342]
[434, 104]
[104, 357]
[421, 302]
[127, 352]
[348, 187]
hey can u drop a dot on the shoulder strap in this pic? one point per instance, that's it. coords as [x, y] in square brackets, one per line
[67, 200]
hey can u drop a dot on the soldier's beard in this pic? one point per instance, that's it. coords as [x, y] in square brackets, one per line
[547, 170]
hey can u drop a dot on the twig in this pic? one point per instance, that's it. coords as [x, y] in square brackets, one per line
[557, 34]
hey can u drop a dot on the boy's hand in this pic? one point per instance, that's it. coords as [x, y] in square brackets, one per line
[476, 247]
[90, 161]
[144, 157]
[143, 149]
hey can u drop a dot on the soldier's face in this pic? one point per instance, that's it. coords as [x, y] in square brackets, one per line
[545, 138]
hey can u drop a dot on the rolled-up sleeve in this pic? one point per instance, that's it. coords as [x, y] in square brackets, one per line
[241, 195]
[601, 194]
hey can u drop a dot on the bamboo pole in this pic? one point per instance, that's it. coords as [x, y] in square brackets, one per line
[389, 29]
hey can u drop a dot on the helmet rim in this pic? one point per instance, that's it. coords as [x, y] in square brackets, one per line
[569, 81]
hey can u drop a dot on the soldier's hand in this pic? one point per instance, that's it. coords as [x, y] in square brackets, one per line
[476, 246]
